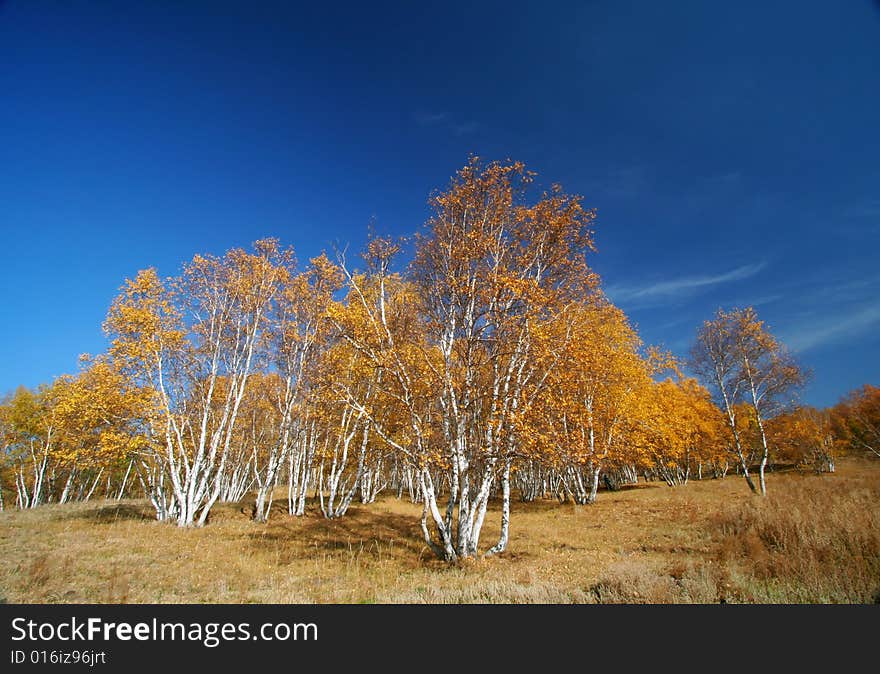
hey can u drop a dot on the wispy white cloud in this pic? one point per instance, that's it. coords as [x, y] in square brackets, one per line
[680, 287]
[828, 329]
[859, 289]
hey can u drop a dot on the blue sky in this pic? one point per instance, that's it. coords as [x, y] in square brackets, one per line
[731, 150]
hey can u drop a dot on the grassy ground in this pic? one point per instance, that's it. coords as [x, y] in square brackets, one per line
[813, 539]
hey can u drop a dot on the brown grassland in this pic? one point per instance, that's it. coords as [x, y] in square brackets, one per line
[814, 539]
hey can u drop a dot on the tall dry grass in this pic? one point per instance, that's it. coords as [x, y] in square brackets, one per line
[815, 541]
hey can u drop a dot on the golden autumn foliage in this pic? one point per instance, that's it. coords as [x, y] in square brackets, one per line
[856, 421]
[491, 362]
[101, 418]
[593, 400]
[684, 430]
[804, 437]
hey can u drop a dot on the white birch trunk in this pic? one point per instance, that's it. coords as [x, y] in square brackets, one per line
[94, 484]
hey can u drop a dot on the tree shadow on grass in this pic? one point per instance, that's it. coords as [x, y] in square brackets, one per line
[640, 485]
[113, 512]
[362, 531]
[545, 504]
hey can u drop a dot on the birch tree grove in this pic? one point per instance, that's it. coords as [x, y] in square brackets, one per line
[29, 430]
[804, 437]
[489, 364]
[73, 438]
[194, 342]
[681, 431]
[855, 421]
[295, 341]
[489, 273]
[585, 416]
[100, 427]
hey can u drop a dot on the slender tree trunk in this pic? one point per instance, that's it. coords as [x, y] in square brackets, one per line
[747, 475]
[764, 456]
[594, 485]
[445, 549]
[65, 493]
[22, 496]
[501, 546]
[94, 484]
[39, 475]
[124, 481]
[762, 480]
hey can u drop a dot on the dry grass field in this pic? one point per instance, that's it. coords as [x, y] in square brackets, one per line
[813, 539]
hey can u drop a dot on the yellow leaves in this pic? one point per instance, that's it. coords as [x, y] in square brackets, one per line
[800, 434]
[26, 415]
[856, 420]
[143, 321]
[595, 386]
[601, 401]
[97, 415]
[487, 249]
[682, 423]
[660, 361]
[380, 251]
[238, 284]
